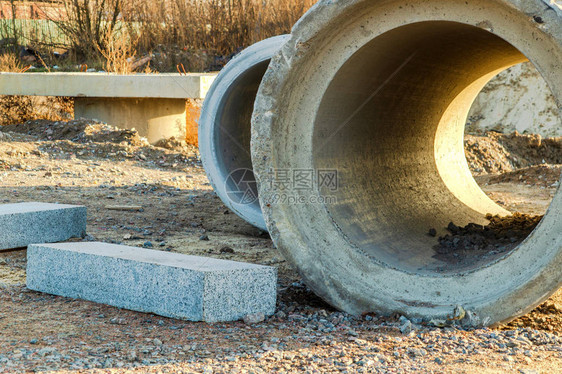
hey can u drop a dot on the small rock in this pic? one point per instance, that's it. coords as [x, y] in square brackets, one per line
[46, 351]
[253, 318]
[405, 325]
[226, 249]
[118, 321]
[132, 356]
[458, 313]
[204, 237]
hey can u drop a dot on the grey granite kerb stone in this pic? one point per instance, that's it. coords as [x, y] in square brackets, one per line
[168, 284]
[22, 224]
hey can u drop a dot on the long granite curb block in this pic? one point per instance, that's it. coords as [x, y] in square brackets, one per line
[168, 284]
[22, 224]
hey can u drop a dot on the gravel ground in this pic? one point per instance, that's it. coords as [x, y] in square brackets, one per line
[98, 166]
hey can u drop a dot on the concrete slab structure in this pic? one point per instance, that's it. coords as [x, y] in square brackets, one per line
[168, 284]
[154, 104]
[25, 223]
[378, 92]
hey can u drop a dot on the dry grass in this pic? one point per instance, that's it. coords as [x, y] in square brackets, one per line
[220, 26]
[89, 25]
[124, 36]
[10, 62]
[200, 34]
[13, 108]
[118, 52]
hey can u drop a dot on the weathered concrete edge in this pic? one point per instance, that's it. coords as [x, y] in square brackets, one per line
[209, 129]
[192, 86]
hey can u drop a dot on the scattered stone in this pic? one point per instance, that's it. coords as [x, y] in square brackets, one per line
[500, 235]
[125, 208]
[254, 318]
[405, 325]
[226, 249]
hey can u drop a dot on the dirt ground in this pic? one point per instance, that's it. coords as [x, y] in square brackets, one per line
[98, 166]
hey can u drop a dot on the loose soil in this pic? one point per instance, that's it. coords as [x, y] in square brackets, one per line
[475, 243]
[88, 163]
[500, 153]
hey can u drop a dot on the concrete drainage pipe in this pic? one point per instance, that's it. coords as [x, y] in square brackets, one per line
[224, 129]
[371, 97]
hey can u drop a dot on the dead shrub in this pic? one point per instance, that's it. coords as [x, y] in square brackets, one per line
[9, 62]
[86, 24]
[118, 52]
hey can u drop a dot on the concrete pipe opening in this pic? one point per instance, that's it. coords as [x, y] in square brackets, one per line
[373, 101]
[224, 129]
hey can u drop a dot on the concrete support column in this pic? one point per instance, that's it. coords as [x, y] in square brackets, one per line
[153, 118]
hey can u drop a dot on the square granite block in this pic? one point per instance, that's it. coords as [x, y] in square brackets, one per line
[22, 224]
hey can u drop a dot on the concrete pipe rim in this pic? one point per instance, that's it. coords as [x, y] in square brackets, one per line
[212, 129]
[285, 123]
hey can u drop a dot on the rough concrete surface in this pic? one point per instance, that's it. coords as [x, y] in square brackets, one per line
[224, 129]
[154, 104]
[168, 284]
[379, 92]
[154, 118]
[26, 223]
[166, 85]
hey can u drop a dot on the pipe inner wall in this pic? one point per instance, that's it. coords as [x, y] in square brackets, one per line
[378, 92]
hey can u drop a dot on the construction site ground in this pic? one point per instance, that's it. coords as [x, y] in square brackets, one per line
[160, 198]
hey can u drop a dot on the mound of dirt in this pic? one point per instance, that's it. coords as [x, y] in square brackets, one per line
[500, 153]
[86, 139]
[173, 144]
[78, 131]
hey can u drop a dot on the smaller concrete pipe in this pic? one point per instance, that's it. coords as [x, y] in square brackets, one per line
[360, 118]
[224, 129]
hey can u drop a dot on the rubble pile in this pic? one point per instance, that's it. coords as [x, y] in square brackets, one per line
[500, 235]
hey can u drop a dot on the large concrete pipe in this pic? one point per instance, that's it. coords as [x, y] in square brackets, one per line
[224, 129]
[372, 97]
